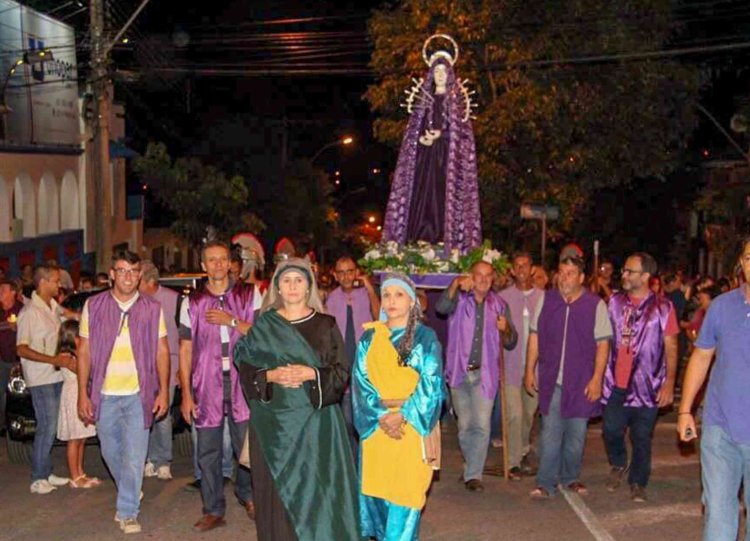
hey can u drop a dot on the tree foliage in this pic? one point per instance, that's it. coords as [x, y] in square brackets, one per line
[198, 195]
[551, 127]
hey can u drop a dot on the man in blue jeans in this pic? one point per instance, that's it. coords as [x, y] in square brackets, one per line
[123, 378]
[36, 344]
[569, 343]
[725, 442]
[479, 325]
[640, 373]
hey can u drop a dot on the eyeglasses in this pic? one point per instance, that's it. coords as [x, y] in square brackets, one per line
[631, 271]
[127, 272]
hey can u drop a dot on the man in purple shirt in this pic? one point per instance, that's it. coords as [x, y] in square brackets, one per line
[725, 449]
[160, 439]
[353, 303]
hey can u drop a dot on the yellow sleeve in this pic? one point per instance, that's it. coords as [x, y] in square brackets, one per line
[83, 326]
[162, 324]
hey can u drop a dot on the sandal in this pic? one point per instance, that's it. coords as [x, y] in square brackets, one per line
[578, 487]
[94, 481]
[540, 493]
[82, 482]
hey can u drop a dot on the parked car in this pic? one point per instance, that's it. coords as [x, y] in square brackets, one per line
[19, 412]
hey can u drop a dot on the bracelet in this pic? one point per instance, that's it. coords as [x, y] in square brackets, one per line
[684, 413]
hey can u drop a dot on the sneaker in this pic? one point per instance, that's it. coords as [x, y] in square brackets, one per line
[149, 470]
[130, 525]
[638, 493]
[42, 486]
[615, 478]
[56, 481]
[164, 472]
[195, 486]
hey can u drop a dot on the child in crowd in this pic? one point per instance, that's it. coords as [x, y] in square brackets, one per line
[69, 427]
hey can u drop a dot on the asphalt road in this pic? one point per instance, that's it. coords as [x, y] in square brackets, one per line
[502, 512]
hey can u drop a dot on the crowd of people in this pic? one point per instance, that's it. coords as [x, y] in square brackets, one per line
[326, 361]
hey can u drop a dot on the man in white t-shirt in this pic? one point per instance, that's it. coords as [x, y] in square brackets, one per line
[36, 344]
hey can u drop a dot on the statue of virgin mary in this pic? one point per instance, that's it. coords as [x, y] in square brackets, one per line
[435, 194]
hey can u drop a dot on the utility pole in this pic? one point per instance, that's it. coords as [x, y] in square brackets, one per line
[100, 165]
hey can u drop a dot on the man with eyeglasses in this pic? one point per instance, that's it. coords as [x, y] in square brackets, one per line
[640, 375]
[123, 378]
[353, 303]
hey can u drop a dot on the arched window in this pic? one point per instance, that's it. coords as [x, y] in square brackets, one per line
[24, 204]
[70, 217]
[5, 211]
[49, 205]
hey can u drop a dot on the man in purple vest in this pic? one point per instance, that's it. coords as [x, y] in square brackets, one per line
[353, 303]
[725, 441]
[521, 407]
[160, 440]
[569, 342]
[123, 378]
[640, 374]
[211, 322]
[477, 317]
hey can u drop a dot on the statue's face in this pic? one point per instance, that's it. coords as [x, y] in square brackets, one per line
[440, 75]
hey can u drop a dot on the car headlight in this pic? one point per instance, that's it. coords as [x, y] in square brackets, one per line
[16, 383]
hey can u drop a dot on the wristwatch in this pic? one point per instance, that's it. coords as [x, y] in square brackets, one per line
[234, 322]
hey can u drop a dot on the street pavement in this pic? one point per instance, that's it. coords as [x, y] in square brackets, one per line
[502, 512]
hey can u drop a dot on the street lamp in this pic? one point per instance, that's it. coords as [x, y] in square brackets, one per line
[346, 140]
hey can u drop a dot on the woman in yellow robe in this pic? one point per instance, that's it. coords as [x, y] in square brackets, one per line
[398, 393]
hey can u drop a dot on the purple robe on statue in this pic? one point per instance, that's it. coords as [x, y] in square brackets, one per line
[648, 322]
[460, 333]
[207, 378]
[361, 310]
[435, 192]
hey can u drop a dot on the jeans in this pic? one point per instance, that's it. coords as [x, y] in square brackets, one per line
[124, 444]
[4, 378]
[496, 431]
[474, 412]
[561, 445]
[520, 408]
[210, 454]
[46, 402]
[641, 421]
[160, 439]
[227, 463]
[724, 465]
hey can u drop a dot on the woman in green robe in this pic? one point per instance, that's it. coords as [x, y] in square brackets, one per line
[293, 370]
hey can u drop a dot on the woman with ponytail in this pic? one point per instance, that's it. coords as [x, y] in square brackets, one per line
[398, 392]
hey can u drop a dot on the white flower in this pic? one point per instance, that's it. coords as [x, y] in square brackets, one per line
[428, 254]
[443, 266]
[491, 255]
[373, 254]
[455, 255]
[391, 247]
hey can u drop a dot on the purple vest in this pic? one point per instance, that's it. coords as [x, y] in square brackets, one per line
[143, 324]
[361, 310]
[580, 353]
[208, 379]
[649, 371]
[460, 334]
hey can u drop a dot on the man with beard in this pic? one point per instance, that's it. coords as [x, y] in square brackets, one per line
[641, 372]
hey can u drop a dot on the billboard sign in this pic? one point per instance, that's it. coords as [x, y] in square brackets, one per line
[42, 96]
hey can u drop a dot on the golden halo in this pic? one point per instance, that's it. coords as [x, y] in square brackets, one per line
[452, 58]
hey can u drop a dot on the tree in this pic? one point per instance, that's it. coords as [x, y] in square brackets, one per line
[550, 128]
[198, 195]
[300, 206]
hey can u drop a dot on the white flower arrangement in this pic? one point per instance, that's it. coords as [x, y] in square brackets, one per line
[424, 258]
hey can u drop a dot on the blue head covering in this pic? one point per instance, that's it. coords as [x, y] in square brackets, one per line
[402, 281]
